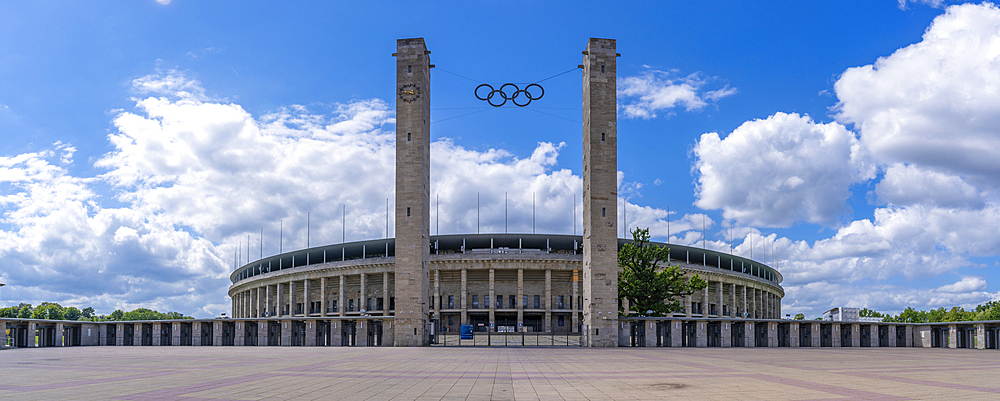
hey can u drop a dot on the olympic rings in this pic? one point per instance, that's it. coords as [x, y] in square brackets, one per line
[513, 97]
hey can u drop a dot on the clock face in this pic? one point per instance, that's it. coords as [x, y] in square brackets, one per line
[409, 92]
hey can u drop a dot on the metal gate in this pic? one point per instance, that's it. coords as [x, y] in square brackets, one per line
[374, 333]
[663, 334]
[349, 333]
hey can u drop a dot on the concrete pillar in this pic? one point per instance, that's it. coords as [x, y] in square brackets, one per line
[874, 335]
[727, 337]
[772, 335]
[279, 301]
[293, 299]
[980, 336]
[412, 192]
[492, 301]
[952, 336]
[574, 300]
[600, 196]
[268, 302]
[855, 335]
[701, 334]
[547, 302]
[60, 331]
[385, 300]
[310, 333]
[196, 332]
[892, 336]
[238, 339]
[922, 336]
[137, 335]
[815, 336]
[342, 297]
[306, 299]
[676, 334]
[3, 333]
[262, 333]
[909, 335]
[363, 301]
[720, 291]
[520, 300]
[835, 330]
[793, 334]
[157, 328]
[286, 333]
[175, 334]
[462, 297]
[324, 303]
[120, 334]
[363, 332]
[437, 295]
[748, 335]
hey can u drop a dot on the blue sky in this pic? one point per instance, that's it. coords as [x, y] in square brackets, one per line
[145, 141]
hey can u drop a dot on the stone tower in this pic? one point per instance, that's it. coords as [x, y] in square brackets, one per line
[600, 195]
[412, 193]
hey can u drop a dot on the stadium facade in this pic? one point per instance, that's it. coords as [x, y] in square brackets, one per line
[505, 289]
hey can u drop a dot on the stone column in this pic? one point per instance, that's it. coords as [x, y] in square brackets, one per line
[909, 336]
[279, 300]
[268, 302]
[748, 335]
[892, 336]
[600, 197]
[363, 302]
[437, 295]
[341, 296]
[412, 192]
[238, 336]
[385, 301]
[520, 301]
[156, 334]
[855, 335]
[720, 291]
[726, 336]
[119, 334]
[310, 333]
[547, 302]
[815, 335]
[835, 330]
[462, 297]
[676, 334]
[306, 298]
[574, 300]
[292, 298]
[743, 305]
[324, 303]
[262, 334]
[952, 336]
[196, 332]
[772, 335]
[286, 333]
[874, 336]
[492, 301]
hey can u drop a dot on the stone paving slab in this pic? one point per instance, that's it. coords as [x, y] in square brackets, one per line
[334, 373]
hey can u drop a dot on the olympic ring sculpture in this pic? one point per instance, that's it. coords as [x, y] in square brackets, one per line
[502, 93]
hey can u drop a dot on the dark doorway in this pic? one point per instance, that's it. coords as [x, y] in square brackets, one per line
[883, 336]
[207, 334]
[866, 335]
[166, 332]
[637, 334]
[690, 334]
[186, 334]
[147, 334]
[761, 337]
[826, 335]
[805, 335]
[322, 333]
[128, 334]
[109, 334]
[250, 333]
[349, 333]
[713, 332]
[375, 333]
[228, 334]
[783, 334]
[663, 334]
[274, 334]
[738, 334]
[900, 336]
[845, 335]
[298, 333]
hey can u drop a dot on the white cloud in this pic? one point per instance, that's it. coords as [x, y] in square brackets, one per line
[905, 185]
[932, 3]
[934, 104]
[966, 284]
[779, 171]
[653, 91]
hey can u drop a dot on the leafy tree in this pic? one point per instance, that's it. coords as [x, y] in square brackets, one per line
[117, 315]
[865, 312]
[909, 315]
[650, 289]
[24, 311]
[8, 312]
[87, 312]
[48, 310]
[71, 313]
[799, 316]
[990, 311]
[958, 314]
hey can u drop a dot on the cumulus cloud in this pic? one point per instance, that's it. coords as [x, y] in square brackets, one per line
[780, 170]
[642, 96]
[193, 175]
[932, 3]
[936, 103]
[905, 185]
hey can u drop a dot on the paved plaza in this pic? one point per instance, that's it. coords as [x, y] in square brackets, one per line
[286, 373]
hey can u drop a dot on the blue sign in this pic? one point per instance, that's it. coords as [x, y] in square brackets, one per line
[466, 332]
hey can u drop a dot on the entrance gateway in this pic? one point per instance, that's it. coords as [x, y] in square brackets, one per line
[412, 320]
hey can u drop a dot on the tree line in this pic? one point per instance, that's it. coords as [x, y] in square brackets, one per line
[54, 311]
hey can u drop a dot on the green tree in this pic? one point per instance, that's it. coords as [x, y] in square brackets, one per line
[799, 316]
[48, 310]
[8, 312]
[117, 315]
[24, 311]
[87, 312]
[865, 312]
[936, 315]
[71, 313]
[910, 315]
[958, 314]
[650, 290]
[990, 311]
